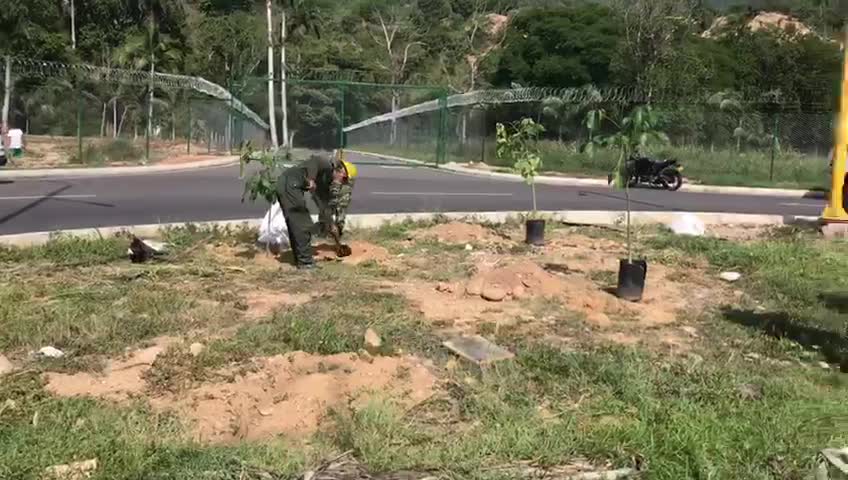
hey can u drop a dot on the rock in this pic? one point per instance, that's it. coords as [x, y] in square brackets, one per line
[365, 356]
[71, 471]
[265, 412]
[196, 348]
[5, 366]
[373, 342]
[688, 224]
[468, 247]
[474, 287]
[824, 366]
[519, 292]
[493, 293]
[51, 352]
[444, 287]
[691, 331]
[730, 277]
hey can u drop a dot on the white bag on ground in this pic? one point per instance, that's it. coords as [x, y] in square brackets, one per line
[273, 229]
[688, 224]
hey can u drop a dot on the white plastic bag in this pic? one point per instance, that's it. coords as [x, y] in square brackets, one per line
[688, 224]
[273, 229]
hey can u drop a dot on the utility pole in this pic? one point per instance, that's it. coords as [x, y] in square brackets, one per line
[73, 27]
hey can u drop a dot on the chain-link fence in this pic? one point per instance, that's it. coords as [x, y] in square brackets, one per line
[80, 115]
[724, 138]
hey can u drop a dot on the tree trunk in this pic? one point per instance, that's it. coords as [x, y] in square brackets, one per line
[103, 119]
[150, 87]
[114, 118]
[121, 123]
[272, 116]
[173, 126]
[7, 94]
[284, 107]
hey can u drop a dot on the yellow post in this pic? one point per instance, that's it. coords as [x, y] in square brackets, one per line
[835, 212]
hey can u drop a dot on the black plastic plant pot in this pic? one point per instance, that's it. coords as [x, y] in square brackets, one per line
[535, 232]
[631, 279]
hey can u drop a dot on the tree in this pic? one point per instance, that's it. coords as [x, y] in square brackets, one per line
[389, 27]
[636, 131]
[559, 47]
[652, 33]
[299, 18]
[563, 110]
[518, 143]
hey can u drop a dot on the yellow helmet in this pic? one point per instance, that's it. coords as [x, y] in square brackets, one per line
[350, 169]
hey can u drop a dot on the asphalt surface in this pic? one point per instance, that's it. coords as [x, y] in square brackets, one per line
[30, 205]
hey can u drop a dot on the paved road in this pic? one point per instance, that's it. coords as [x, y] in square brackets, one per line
[215, 193]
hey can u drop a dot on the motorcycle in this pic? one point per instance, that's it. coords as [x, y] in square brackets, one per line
[641, 170]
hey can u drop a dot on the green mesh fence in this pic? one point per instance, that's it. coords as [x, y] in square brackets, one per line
[82, 115]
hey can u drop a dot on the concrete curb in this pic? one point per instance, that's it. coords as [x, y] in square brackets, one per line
[115, 171]
[370, 221]
[595, 182]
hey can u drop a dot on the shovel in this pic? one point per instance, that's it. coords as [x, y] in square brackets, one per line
[342, 250]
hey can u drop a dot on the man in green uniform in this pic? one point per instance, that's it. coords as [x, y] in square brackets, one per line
[330, 182]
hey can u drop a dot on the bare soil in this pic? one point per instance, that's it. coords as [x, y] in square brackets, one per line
[459, 233]
[287, 394]
[362, 252]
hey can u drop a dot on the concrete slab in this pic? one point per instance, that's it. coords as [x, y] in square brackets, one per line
[478, 350]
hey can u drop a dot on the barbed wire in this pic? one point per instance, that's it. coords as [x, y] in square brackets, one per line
[24, 67]
[602, 96]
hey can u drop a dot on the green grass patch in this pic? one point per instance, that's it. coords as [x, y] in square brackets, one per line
[752, 168]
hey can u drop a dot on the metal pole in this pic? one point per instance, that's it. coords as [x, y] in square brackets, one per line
[79, 124]
[835, 212]
[342, 116]
[443, 125]
[483, 136]
[148, 127]
[188, 142]
[773, 148]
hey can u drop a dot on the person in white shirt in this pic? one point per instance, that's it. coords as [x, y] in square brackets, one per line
[16, 142]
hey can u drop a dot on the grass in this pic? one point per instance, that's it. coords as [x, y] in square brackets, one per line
[109, 152]
[725, 167]
[680, 416]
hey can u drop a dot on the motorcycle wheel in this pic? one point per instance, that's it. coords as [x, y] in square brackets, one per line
[671, 180]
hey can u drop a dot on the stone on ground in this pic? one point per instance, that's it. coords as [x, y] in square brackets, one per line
[5, 366]
[478, 350]
[493, 293]
[196, 348]
[71, 471]
[373, 342]
[688, 224]
[730, 277]
[51, 352]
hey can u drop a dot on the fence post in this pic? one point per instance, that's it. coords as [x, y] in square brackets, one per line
[148, 125]
[773, 146]
[79, 124]
[441, 150]
[342, 139]
[188, 141]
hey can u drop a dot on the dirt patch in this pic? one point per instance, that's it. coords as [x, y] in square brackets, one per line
[459, 233]
[263, 303]
[287, 394]
[246, 254]
[361, 252]
[520, 280]
[739, 233]
[120, 380]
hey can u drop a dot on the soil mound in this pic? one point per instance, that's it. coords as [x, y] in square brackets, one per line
[519, 280]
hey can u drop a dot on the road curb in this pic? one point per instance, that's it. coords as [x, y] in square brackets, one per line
[594, 182]
[115, 171]
[371, 221]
